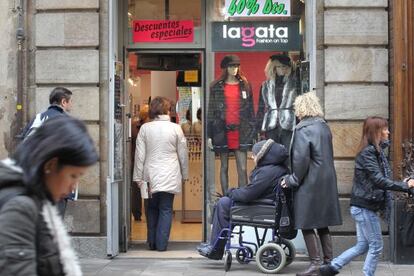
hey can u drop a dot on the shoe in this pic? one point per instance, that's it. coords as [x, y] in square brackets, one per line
[327, 270]
[202, 245]
[211, 253]
[312, 270]
[152, 246]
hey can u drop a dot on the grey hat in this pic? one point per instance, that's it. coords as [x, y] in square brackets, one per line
[229, 60]
[261, 148]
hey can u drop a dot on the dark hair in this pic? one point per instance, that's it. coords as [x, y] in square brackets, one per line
[199, 113]
[240, 76]
[58, 94]
[188, 115]
[159, 106]
[371, 131]
[61, 137]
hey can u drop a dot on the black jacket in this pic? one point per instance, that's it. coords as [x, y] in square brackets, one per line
[313, 177]
[216, 120]
[264, 177]
[26, 244]
[370, 184]
[52, 111]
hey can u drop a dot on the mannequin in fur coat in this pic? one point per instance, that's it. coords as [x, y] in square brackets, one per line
[275, 116]
[45, 168]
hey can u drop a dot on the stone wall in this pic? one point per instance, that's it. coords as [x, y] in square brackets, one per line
[67, 39]
[8, 75]
[356, 86]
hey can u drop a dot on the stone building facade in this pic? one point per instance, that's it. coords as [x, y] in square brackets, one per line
[66, 43]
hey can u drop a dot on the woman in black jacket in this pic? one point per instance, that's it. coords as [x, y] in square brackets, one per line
[372, 180]
[45, 168]
[313, 180]
[269, 158]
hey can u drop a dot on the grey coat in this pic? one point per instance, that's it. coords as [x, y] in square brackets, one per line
[313, 177]
[31, 233]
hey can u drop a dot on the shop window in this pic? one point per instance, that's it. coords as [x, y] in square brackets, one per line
[259, 69]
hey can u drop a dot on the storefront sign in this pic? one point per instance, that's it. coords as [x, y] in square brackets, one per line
[253, 36]
[163, 31]
[238, 8]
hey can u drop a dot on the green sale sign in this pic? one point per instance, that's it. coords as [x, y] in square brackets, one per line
[243, 8]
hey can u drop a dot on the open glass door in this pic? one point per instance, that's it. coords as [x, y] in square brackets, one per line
[115, 137]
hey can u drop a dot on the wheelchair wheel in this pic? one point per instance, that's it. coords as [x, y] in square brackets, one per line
[290, 250]
[242, 254]
[270, 258]
[227, 261]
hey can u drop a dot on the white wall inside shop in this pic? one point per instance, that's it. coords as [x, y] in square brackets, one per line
[163, 83]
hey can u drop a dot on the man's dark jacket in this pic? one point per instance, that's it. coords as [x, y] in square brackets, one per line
[264, 178]
[52, 111]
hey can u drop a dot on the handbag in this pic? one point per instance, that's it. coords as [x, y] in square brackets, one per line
[286, 221]
[407, 223]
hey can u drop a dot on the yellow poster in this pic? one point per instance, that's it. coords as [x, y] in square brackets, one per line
[191, 76]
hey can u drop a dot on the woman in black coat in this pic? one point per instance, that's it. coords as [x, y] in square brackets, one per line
[313, 180]
[45, 168]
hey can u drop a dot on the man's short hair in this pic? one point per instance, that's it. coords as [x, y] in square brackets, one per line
[58, 94]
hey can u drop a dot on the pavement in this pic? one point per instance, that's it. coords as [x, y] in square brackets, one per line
[181, 258]
[130, 266]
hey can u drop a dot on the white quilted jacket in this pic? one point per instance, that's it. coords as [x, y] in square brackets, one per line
[161, 156]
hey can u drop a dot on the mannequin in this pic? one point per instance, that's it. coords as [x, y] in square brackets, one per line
[275, 116]
[230, 119]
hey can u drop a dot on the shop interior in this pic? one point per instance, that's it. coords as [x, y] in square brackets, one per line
[176, 76]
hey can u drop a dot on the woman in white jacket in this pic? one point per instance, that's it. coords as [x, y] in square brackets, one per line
[161, 160]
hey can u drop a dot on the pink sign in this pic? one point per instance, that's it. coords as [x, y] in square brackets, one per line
[163, 31]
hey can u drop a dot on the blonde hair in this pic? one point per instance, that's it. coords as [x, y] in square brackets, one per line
[270, 69]
[308, 105]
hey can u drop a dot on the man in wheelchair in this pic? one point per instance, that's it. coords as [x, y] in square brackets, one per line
[270, 159]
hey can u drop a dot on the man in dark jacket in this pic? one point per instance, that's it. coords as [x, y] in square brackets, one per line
[60, 100]
[269, 158]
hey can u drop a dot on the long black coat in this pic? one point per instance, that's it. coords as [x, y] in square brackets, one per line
[216, 120]
[313, 177]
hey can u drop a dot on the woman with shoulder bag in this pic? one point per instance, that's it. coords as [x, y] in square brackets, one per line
[372, 180]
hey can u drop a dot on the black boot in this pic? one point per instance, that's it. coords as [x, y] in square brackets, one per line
[326, 242]
[314, 255]
[328, 270]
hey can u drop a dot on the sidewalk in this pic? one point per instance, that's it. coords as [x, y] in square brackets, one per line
[127, 266]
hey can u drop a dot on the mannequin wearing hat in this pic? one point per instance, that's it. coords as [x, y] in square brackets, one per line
[230, 119]
[275, 116]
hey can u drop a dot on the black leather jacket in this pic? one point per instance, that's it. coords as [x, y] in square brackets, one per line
[370, 184]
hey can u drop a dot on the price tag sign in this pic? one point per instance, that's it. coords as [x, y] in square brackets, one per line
[249, 8]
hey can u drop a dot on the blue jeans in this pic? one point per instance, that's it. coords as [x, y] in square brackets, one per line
[369, 239]
[221, 218]
[160, 210]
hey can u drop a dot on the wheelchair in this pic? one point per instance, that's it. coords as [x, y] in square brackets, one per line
[270, 257]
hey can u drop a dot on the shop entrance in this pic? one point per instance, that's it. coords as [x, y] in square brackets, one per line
[178, 77]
